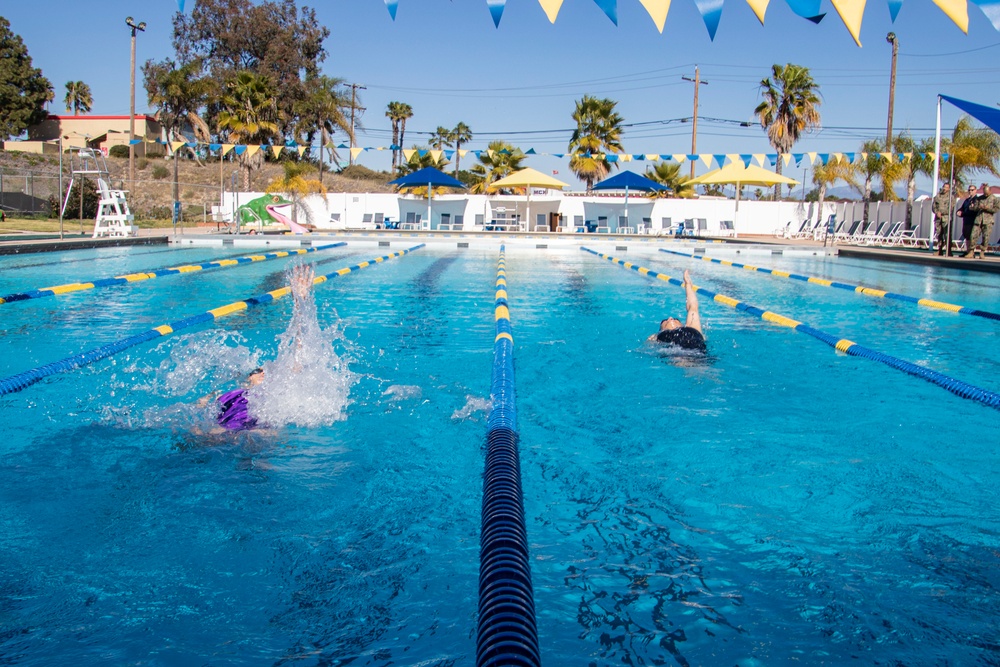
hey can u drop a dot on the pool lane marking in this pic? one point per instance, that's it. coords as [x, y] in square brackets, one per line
[957, 387]
[857, 289]
[139, 276]
[23, 380]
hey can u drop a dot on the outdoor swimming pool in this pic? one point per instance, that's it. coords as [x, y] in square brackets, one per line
[776, 503]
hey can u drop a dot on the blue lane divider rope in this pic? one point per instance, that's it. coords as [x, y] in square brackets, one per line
[957, 387]
[859, 289]
[507, 634]
[148, 275]
[23, 380]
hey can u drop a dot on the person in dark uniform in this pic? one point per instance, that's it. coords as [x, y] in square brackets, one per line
[689, 335]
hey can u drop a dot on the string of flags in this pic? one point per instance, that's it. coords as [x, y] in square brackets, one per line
[708, 159]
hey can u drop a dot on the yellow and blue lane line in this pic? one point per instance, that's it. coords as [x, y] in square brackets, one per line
[158, 273]
[858, 289]
[957, 387]
[23, 380]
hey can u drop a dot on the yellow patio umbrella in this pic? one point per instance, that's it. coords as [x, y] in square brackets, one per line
[528, 178]
[740, 174]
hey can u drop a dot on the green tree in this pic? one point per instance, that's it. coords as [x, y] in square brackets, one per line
[324, 110]
[178, 93]
[919, 163]
[598, 132]
[441, 139]
[873, 166]
[825, 175]
[499, 160]
[790, 107]
[460, 135]
[78, 97]
[669, 174]
[295, 183]
[23, 89]
[974, 150]
[397, 113]
[249, 116]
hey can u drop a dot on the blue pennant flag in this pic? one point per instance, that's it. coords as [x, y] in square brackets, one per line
[639, 157]
[240, 150]
[610, 7]
[559, 154]
[391, 6]
[772, 158]
[180, 6]
[611, 158]
[798, 159]
[531, 151]
[992, 10]
[693, 157]
[477, 153]
[394, 147]
[807, 9]
[711, 12]
[449, 154]
[214, 147]
[823, 157]
[504, 151]
[422, 153]
[496, 10]
[719, 160]
[666, 157]
[745, 158]
[135, 141]
[894, 6]
[850, 157]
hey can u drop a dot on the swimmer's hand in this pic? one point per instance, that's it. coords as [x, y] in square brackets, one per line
[302, 280]
[687, 278]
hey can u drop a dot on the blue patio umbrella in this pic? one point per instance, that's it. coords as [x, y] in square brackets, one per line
[629, 180]
[431, 178]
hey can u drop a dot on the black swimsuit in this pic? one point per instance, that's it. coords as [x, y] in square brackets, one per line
[683, 337]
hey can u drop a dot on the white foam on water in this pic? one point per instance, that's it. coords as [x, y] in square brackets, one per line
[473, 405]
[402, 392]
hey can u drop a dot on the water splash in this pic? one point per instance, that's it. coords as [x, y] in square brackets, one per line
[402, 392]
[473, 405]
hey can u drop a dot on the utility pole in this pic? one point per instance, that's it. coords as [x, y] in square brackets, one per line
[354, 92]
[141, 26]
[694, 119]
[891, 38]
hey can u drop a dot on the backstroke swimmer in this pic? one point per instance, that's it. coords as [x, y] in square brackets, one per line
[689, 335]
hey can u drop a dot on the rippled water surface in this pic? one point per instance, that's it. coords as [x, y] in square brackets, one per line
[774, 503]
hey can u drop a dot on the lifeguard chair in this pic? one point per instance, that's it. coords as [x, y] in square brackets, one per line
[113, 216]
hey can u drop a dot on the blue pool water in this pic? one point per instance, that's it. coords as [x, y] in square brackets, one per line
[777, 503]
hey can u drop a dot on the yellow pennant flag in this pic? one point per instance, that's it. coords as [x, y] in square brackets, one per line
[652, 157]
[174, 145]
[680, 157]
[380, 148]
[864, 156]
[706, 158]
[851, 12]
[226, 148]
[758, 7]
[836, 157]
[786, 158]
[734, 157]
[276, 150]
[355, 152]
[887, 156]
[907, 156]
[436, 155]
[408, 153]
[932, 155]
[657, 11]
[625, 157]
[812, 158]
[302, 150]
[490, 154]
[760, 158]
[462, 152]
[957, 11]
[252, 150]
[551, 8]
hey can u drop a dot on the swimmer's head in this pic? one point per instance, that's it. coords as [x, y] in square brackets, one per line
[256, 377]
[670, 323]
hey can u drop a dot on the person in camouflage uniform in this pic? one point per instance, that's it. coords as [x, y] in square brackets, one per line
[942, 218]
[986, 207]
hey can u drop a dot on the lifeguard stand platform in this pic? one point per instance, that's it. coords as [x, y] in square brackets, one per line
[113, 216]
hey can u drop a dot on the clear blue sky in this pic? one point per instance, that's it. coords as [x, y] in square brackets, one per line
[519, 82]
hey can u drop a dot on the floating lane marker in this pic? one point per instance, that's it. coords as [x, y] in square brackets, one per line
[507, 632]
[20, 381]
[149, 275]
[957, 387]
[858, 289]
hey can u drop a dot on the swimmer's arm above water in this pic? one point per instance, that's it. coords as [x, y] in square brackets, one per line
[693, 316]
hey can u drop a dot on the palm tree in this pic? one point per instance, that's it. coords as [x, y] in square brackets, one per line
[249, 115]
[919, 163]
[178, 93]
[825, 175]
[441, 138]
[499, 160]
[78, 97]
[789, 108]
[405, 113]
[974, 149]
[598, 132]
[460, 135]
[323, 110]
[397, 113]
[889, 172]
[297, 185]
[669, 174]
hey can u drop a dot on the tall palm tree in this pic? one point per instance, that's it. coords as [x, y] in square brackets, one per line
[790, 107]
[669, 174]
[974, 149]
[441, 138]
[78, 97]
[499, 160]
[460, 135]
[598, 132]
[324, 110]
[405, 113]
[178, 93]
[393, 112]
[249, 115]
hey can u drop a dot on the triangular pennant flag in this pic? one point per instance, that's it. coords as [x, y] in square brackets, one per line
[551, 8]
[992, 10]
[732, 157]
[342, 145]
[180, 6]
[530, 151]
[944, 157]
[436, 155]
[408, 154]
[496, 10]
[957, 11]
[391, 6]
[760, 158]
[657, 10]
[559, 154]
[302, 150]
[610, 7]
[681, 157]
[786, 158]
[851, 12]
[653, 157]
[864, 156]
[638, 157]
[758, 7]
[191, 144]
[837, 157]
[356, 151]
[174, 145]
[745, 158]
[798, 158]
[894, 7]
[449, 155]
[851, 157]
[812, 158]
[711, 12]
[807, 9]
[707, 158]
[132, 142]
[276, 151]
[252, 150]
[904, 157]
[823, 157]
[611, 158]
[504, 151]
[394, 147]
[462, 152]
[625, 157]
[226, 148]
[693, 157]
[772, 158]
[886, 156]
[214, 147]
[423, 152]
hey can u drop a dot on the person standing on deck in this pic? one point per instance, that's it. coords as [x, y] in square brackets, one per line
[985, 207]
[942, 218]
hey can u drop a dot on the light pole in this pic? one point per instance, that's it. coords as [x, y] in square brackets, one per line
[891, 38]
[141, 26]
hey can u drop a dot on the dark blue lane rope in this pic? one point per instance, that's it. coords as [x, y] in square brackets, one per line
[507, 635]
[20, 381]
[957, 387]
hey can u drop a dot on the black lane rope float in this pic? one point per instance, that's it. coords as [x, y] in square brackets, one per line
[957, 387]
[20, 381]
[507, 635]
[859, 289]
[158, 273]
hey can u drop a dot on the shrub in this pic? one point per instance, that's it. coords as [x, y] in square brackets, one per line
[141, 163]
[118, 151]
[90, 200]
[160, 172]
